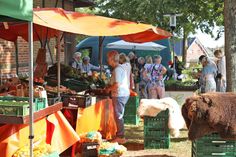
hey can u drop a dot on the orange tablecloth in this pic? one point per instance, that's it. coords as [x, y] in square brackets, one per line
[98, 117]
[13, 137]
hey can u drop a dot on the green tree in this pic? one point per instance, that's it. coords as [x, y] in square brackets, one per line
[202, 14]
[230, 42]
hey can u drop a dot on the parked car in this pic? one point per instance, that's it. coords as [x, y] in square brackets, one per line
[90, 47]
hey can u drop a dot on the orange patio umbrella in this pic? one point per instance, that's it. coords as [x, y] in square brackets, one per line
[48, 21]
[93, 25]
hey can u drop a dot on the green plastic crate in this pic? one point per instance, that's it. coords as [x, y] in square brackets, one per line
[8, 103]
[213, 145]
[130, 111]
[14, 108]
[158, 122]
[156, 143]
[156, 133]
[133, 119]
[131, 106]
[40, 103]
[155, 122]
[133, 102]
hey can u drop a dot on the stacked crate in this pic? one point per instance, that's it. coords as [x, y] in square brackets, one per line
[156, 131]
[19, 106]
[213, 145]
[130, 115]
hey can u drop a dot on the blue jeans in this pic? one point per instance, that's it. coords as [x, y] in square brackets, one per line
[119, 109]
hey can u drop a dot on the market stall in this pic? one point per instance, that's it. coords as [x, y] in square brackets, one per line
[16, 136]
[48, 23]
[20, 117]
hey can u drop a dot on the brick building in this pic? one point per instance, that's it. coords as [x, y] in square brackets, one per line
[194, 50]
[8, 49]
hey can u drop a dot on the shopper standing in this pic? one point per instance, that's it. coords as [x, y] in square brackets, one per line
[120, 93]
[156, 86]
[221, 71]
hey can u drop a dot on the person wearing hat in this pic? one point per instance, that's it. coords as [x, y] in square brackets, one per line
[75, 62]
[87, 67]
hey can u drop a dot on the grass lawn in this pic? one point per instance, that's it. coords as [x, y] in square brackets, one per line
[179, 147]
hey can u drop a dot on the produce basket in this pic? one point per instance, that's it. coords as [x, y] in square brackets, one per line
[51, 80]
[89, 149]
[76, 101]
[76, 85]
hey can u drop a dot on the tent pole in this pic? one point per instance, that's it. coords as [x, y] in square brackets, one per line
[31, 114]
[17, 61]
[58, 64]
[173, 39]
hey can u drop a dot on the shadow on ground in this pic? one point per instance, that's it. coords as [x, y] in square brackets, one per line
[150, 156]
[183, 139]
[132, 146]
[154, 156]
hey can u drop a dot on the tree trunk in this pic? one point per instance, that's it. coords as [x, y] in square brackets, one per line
[184, 48]
[230, 43]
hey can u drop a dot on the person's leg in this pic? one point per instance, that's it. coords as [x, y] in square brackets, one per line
[152, 92]
[119, 108]
[161, 92]
[210, 86]
[223, 86]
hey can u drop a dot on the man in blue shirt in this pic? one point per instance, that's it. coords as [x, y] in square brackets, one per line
[87, 67]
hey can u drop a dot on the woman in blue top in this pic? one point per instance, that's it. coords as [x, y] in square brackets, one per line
[208, 75]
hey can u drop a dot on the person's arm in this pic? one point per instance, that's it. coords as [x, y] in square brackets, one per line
[112, 87]
[74, 65]
[80, 66]
[117, 80]
[93, 67]
[164, 70]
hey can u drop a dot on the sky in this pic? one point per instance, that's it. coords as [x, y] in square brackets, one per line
[208, 41]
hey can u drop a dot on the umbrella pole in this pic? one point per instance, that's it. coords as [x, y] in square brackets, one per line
[101, 39]
[58, 65]
[31, 87]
